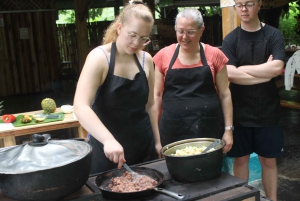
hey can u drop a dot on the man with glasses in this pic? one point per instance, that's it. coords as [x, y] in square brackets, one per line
[256, 56]
[191, 86]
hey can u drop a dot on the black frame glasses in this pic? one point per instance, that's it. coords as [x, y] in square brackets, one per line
[248, 6]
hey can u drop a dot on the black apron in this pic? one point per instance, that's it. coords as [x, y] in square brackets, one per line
[120, 105]
[254, 105]
[191, 106]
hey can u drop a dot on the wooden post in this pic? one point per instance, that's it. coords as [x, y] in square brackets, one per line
[230, 20]
[9, 141]
[81, 9]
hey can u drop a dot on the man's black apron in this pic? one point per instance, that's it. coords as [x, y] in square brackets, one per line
[120, 105]
[254, 105]
[191, 106]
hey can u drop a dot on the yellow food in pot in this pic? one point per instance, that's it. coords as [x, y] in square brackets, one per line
[190, 150]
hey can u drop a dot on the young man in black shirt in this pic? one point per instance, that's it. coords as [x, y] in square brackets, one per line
[256, 56]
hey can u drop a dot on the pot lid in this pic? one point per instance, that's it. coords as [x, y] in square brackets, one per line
[41, 154]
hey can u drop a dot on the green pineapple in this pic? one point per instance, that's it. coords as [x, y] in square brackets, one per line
[48, 105]
[1, 107]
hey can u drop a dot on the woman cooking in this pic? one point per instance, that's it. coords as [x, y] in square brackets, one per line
[114, 97]
[191, 86]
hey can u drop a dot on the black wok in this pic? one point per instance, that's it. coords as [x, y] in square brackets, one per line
[103, 180]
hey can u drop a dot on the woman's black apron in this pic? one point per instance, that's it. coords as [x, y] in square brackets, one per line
[120, 105]
[254, 105]
[191, 106]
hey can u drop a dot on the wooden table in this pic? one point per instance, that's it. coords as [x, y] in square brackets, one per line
[69, 121]
[296, 87]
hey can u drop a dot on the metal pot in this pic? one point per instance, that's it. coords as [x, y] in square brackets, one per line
[43, 169]
[197, 167]
[103, 180]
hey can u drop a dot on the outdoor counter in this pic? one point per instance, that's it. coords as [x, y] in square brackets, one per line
[222, 187]
[8, 136]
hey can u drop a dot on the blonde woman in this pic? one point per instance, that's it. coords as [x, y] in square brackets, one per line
[114, 96]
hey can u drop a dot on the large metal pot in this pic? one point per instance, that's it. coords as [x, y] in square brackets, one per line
[193, 168]
[44, 170]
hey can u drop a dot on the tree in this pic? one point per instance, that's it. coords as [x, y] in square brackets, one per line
[95, 14]
[289, 24]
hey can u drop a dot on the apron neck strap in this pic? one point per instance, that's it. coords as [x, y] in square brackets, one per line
[177, 52]
[113, 56]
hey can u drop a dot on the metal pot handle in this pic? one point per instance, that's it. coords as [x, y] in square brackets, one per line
[169, 193]
[39, 140]
[212, 145]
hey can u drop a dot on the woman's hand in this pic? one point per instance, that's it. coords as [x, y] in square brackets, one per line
[228, 138]
[114, 152]
[158, 148]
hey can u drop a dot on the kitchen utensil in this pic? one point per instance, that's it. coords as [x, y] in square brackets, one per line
[44, 169]
[48, 116]
[193, 168]
[53, 116]
[134, 174]
[212, 145]
[103, 180]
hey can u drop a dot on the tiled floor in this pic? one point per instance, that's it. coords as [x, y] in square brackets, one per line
[288, 165]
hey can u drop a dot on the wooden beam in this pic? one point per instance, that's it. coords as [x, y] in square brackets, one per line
[81, 8]
[230, 20]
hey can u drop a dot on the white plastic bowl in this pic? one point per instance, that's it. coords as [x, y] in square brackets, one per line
[67, 108]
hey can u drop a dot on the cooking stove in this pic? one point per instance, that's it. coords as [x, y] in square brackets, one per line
[222, 187]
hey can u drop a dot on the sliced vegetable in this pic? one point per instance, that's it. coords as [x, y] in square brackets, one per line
[26, 119]
[8, 118]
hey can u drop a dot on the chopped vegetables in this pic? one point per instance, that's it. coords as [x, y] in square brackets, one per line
[190, 150]
[26, 119]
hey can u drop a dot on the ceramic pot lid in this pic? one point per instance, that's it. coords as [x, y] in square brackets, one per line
[41, 154]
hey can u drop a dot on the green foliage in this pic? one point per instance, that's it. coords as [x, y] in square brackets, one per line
[209, 11]
[289, 25]
[97, 14]
[66, 16]
[94, 13]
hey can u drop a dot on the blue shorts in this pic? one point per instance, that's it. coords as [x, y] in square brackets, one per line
[264, 141]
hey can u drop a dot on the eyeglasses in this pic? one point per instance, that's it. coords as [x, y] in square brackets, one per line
[190, 32]
[248, 6]
[141, 40]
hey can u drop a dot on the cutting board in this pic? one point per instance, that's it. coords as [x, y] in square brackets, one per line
[18, 122]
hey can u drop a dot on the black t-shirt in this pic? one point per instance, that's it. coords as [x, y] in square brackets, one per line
[273, 35]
